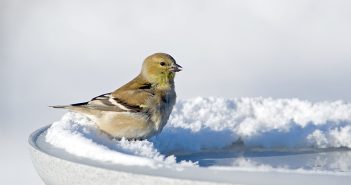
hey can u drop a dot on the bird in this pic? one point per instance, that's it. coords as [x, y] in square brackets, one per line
[139, 109]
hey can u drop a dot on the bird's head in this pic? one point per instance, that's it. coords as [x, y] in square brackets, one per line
[160, 68]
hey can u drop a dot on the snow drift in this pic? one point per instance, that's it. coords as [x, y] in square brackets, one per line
[205, 124]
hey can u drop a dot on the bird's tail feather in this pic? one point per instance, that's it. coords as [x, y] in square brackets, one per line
[68, 106]
[60, 106]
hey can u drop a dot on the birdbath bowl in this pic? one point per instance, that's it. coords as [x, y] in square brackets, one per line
[58, 167]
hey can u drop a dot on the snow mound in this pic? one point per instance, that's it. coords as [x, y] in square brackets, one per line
[257, 122]
[77, 135]
[213, 123]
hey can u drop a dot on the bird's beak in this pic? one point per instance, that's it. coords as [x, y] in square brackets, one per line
[176, 68]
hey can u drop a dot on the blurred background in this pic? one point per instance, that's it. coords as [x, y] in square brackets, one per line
[68, 51]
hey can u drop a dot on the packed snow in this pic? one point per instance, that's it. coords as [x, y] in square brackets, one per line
[213, 124]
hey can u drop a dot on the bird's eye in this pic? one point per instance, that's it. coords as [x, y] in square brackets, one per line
[162, 63]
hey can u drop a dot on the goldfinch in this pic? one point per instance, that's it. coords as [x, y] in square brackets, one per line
[139, 109]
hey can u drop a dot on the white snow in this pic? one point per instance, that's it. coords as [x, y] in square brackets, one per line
[259, 122]
[207, 124]
[76, 134]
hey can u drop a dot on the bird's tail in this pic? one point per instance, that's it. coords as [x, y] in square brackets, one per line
[78, 107]
[69, 106]
[60, 106]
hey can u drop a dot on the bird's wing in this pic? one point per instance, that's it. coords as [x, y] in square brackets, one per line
[106, 102]
[134, 94]
[110, 103]
[130, 98]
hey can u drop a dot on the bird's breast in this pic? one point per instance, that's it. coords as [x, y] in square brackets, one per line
[164, 104]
